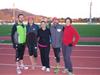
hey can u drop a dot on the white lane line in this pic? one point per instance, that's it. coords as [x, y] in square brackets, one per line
[90, 57]
[96, 50]
[87, 68]
[89, 45]
[76, 45]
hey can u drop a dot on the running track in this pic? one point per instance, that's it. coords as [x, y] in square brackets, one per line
[86, 61]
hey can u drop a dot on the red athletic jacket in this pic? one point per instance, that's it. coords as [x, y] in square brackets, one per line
[70, 36]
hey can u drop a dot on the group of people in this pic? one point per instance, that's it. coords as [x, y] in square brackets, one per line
[55, 36]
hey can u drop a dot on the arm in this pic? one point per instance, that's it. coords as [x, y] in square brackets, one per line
[76, 37]
[12, 35]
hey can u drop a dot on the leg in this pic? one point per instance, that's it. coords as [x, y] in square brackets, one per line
[42, 54]
[17, 60]
[35, 53]
[22, 49]
[30, 50]
[57, 55]
[67, 60]
[47, 51]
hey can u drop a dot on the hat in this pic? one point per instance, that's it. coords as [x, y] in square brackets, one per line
[30, 17]
[55, 18]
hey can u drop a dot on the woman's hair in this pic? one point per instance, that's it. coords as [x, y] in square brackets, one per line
[68, 18]
[43, 22]
[30, 17]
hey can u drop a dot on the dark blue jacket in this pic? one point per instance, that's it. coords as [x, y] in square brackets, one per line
[32, 32]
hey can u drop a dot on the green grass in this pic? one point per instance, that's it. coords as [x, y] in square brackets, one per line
[88, 30]
[5, 30]
[88, 43]
[5, 41]
[84, 30]
[79, 43]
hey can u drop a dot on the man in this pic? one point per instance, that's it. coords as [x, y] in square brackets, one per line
[56, 40]
[18, 36]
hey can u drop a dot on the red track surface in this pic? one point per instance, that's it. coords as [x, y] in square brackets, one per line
[86, 61]
[85, 39]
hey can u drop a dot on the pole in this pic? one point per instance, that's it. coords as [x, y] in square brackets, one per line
[90, 12]
[13, 12]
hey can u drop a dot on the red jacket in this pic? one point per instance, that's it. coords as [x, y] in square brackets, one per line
[70, 36]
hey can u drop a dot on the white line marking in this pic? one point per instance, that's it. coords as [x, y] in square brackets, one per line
[89, 68]
[89, 45]
[90, 57]
[76, 45]
[97, 50]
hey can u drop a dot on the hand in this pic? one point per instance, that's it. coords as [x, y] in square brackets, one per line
[35, 47]
[15, 46]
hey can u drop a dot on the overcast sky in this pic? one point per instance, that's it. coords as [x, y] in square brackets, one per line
[55, 8]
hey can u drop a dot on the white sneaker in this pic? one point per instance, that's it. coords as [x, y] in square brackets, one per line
[65, 71]
[43, 68]
[70, 73]
[18, 71]
[47, 69]
[23, 67]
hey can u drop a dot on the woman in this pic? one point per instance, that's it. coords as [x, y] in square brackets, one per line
[32, 30]
[56, 40]
[70, 39]
[44, 45]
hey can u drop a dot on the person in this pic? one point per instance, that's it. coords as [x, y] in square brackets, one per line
[44, 46]
[70, 39]
[56, 40]
[18, 36]
[32, 30]
[47, 20]
[49, 23]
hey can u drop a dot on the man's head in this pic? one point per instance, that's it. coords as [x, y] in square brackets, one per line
[55, 20]
[21, 18]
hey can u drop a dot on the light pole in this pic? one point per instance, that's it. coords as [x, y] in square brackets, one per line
[13, 12]
[90, 19]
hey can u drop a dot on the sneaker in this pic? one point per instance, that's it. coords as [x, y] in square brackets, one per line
[43, 68]
[56, 70]
[65, 71]
[18, 71]
[70, 73]
[23, 67]
[47, 69]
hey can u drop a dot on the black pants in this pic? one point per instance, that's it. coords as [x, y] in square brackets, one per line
[44, 52]
[57, 54]
[20, 52]
[32, 49]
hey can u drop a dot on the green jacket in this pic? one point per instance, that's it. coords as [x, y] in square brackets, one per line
[21, 31]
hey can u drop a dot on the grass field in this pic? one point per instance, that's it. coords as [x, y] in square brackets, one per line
[88, 30]
[84, 31]
[5, 30]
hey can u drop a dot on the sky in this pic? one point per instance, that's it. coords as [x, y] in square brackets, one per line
[55, 8]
